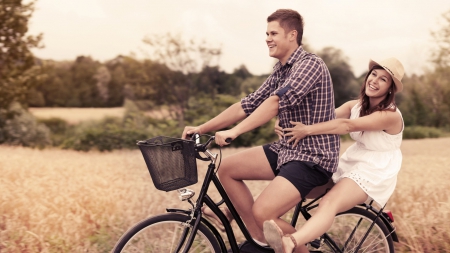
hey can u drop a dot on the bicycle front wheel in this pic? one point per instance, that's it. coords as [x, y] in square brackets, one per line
[349, 229]
[166, 233]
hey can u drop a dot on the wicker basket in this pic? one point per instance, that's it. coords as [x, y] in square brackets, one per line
[170, 161]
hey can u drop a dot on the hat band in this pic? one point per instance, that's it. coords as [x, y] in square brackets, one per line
[390, 71]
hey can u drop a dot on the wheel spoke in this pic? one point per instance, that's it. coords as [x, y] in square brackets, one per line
[166, 234]
[349, 229]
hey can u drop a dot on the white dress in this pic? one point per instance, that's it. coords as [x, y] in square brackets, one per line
[373, 162]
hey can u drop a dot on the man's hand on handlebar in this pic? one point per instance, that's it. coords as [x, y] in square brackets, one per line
[225, 137]
[189, 131]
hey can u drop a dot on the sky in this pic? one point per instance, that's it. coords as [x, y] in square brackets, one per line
[363, 30]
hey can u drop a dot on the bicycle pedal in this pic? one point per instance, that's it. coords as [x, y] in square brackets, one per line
[315, 244]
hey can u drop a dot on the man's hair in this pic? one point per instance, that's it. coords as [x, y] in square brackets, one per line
[289, 20]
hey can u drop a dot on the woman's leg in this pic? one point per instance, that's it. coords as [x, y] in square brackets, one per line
[343, 196]
[250, 164]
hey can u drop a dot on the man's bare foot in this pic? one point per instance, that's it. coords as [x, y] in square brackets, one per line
[278, 242]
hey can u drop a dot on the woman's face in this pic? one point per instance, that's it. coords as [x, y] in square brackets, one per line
[378, 83]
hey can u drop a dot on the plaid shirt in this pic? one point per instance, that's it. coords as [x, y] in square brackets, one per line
[306, 95]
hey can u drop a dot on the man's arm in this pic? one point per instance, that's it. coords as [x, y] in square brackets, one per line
[229, 116]
[265, 112]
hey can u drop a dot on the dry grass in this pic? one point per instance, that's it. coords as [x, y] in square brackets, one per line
[76, 115]
[66, 201]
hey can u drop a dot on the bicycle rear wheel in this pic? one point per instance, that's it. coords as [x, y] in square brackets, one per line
[164, 233]
[343, 237]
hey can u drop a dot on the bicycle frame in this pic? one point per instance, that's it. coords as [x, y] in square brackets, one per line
[204, 198]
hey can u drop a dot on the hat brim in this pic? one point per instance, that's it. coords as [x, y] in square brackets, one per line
[397, 82]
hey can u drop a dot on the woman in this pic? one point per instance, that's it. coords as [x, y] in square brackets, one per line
[368, 168]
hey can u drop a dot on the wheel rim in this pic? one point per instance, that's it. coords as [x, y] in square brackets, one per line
[342, 229]
[164, 237]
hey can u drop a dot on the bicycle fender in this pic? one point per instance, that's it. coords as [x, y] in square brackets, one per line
[390, 227]
[176, 210]
[385, 220]
[205, 222]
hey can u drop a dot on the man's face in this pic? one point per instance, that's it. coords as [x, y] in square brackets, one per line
[277, 41]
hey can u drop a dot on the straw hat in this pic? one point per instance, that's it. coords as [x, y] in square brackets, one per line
[393, 67]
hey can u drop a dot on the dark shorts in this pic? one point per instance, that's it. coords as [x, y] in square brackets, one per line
[303, 175]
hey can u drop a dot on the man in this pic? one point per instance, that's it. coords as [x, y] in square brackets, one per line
[299, 89]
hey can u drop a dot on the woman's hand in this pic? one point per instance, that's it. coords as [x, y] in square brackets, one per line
[221, 137]
[278, 129]
[298, 132]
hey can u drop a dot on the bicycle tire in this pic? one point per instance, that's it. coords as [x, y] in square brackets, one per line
[161, 234]
[378, 240]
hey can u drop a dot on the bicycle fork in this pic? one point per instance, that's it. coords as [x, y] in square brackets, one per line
[196, 214]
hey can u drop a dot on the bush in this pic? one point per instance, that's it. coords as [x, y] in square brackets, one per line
[115, 133]
[19, 127]
[421, 132]
[56, 125]
[59, 129]
[105, 135]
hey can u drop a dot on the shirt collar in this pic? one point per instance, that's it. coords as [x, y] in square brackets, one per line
[295, 56]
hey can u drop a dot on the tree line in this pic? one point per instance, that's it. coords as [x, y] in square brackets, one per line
[181, 75]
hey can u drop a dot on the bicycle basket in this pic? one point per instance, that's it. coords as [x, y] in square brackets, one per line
[170, 161]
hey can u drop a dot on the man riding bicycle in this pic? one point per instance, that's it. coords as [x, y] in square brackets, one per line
[299, 89]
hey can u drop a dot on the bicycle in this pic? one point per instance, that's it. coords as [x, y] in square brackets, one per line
[172, 166]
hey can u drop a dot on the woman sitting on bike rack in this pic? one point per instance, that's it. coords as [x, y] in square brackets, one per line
[368, 168]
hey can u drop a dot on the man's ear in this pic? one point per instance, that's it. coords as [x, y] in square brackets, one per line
[293, 35]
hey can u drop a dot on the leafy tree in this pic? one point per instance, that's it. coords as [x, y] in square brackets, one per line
[184, 59]
[16, 60]
[441, 57]
[55, 85]
[345, 85]
[441, 79]
[84, 84]
[426, 99]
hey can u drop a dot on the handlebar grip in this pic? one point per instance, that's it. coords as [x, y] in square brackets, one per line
[228, 140]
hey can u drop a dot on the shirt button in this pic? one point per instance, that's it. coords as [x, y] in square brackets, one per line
[316, 160]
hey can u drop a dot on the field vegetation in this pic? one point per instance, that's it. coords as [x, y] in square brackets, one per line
[59, 199]
[56, 200]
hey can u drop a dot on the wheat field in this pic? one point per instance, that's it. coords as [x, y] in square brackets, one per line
[76, 115]
[55, 200]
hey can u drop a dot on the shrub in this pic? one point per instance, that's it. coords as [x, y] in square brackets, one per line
[105, 135]
[116, 133]
[19, 127]
[421, 132]
[59, 129]
[56, 125]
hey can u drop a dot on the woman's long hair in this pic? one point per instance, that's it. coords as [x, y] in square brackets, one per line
[388, 103]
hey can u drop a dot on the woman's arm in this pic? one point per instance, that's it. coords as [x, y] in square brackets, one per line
[345, 110]
[388, 121]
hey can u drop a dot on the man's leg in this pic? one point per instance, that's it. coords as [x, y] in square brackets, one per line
[285, 191]
[276, 199]
[250, 164]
